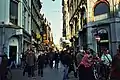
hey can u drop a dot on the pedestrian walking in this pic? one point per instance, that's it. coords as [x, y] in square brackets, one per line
[46, 58]
[30, 61]
[66, 61]
[72, 66]
[3, 65]
[41, 62]
[65, 76]
[56, 59]
[13, 60]
[51, 58]
[25, 66]
[107, 60]
[85, 67]
[115, 70]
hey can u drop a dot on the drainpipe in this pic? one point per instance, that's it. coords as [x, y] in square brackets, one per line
[3, 36]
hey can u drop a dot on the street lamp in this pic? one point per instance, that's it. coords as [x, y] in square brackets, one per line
[97, 38]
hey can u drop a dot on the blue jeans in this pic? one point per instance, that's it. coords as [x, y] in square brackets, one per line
[13, 63]
[65, 76]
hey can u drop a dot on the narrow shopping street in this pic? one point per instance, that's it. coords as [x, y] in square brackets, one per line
[82, 35]
[49, 74]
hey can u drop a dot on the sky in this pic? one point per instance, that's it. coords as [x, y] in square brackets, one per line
[53, 12]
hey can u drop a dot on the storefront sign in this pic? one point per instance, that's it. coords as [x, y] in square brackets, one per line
[19, 31]
[103, 41]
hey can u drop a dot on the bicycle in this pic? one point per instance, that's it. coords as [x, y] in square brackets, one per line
[96, 70]
[99, 70]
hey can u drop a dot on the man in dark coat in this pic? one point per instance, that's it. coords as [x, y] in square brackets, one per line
[115, 70]
[56, 59]
[41, 62]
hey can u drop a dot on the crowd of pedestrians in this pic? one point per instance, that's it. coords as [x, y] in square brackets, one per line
[39, 62]
[83, 63]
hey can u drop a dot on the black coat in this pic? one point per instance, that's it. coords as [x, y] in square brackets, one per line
[41, 61]
[67, 59]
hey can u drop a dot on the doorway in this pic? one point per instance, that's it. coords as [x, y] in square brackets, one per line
[13, 51]
[104, 40]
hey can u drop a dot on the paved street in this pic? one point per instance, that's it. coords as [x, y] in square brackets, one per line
[49, 74]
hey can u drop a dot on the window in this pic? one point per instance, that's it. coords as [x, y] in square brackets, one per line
[101, 8]
[14, 12]
[28, 27]
[24, 17]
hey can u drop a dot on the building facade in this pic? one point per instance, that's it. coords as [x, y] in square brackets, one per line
[77, 22]
[94, 24]
[65, 19]
[13, 31]
[36, 24]
[103, 22]
[47, 35]
[20, 26]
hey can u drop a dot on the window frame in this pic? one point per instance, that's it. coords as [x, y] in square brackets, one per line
[15, 14]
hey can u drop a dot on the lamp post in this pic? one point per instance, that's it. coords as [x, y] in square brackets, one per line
[97, 37]
[3, 37]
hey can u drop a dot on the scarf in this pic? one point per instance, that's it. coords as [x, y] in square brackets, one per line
[86, 61]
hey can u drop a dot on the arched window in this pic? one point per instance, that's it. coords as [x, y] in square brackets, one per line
[102, 31]
[101, 8]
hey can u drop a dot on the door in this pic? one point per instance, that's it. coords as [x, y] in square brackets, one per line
[12, 51]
